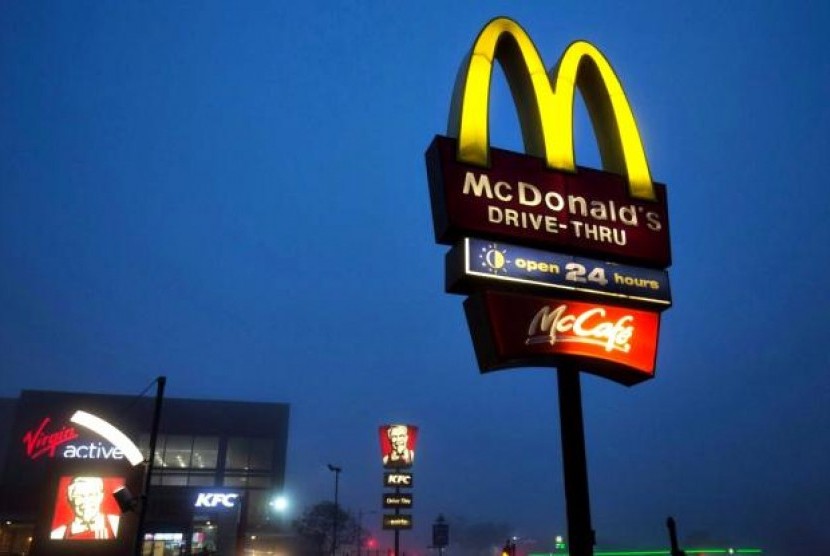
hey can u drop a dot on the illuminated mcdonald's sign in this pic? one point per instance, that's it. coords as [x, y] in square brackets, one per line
[511, 330]
[541, 197]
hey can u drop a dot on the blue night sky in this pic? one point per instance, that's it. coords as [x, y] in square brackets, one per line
[234, 195]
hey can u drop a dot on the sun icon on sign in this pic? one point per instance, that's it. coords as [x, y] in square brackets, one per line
[493, 259]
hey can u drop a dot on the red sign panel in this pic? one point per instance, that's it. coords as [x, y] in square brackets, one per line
[514, 330]
[517, 198]
[397, 445]
[85, 508]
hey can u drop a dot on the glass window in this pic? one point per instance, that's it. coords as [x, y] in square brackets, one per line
[144, 446]
[250, 453]
[177, 451]
[259, 482]
[237, 455]
[174, 479]
[235, 481]
[205, 452]
[246, 481]
[261, 453]
[200, 480]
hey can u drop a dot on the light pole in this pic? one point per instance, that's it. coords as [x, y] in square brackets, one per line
[148, 472]
[336, 470]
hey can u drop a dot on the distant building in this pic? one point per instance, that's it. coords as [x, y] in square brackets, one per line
[711, 551]
[217, 466]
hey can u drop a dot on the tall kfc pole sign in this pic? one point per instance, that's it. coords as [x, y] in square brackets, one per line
[563, 266]
[397, 448]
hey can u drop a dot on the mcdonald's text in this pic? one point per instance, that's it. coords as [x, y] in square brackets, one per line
[518, 199]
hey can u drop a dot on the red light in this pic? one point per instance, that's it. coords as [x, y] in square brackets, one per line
[371, 543]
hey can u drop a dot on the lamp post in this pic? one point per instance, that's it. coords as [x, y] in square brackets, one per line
[148, 473]
[336, 470]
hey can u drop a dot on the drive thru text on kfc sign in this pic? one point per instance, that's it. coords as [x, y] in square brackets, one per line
[593, 236]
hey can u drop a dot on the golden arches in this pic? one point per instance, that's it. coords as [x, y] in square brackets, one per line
[545, 104]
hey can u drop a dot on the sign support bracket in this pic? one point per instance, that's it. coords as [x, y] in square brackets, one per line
[575, 466]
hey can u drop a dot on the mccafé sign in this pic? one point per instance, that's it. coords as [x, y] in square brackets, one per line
[514, 330]
[596, 241]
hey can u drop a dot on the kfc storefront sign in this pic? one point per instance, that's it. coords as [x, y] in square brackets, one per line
[515, 330]
[216, 500]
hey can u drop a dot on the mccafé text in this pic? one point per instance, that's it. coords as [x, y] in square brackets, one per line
[589, 327]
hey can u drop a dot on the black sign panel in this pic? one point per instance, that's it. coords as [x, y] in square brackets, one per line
[518, 199]
[440, 535]
[397, 500]
[398, 480]
[476, 264]
[397, 521]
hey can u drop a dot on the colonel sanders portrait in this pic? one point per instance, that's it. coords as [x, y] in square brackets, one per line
[85, 496]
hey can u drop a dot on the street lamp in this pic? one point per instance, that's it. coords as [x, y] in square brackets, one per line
[279, 504]
[336, 470]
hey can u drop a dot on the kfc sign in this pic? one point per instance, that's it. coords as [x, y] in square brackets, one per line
[400, 480]
[216, 500]
[397, 521]
[397, 445]
[84, 509]
[513, 330]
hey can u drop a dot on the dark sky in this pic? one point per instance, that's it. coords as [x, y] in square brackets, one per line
[234, 196]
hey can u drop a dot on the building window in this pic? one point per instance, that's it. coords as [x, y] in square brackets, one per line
[237, 454]
[205, 452]
[196, 479]
[183, 460]
[247, 481]
[174, 479]
[250, 454]
[177, 451]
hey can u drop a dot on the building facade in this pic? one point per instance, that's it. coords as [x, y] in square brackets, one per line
[217, 467]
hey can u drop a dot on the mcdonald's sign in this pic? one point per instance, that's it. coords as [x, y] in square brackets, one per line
[539, 224]
[511, 330]
[541, 198]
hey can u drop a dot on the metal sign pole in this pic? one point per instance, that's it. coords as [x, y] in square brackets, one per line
[574, 462]
[148, 473]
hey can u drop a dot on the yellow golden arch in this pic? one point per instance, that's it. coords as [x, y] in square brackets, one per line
[545, 104]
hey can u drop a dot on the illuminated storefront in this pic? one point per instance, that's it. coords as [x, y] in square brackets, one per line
[217, 466]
